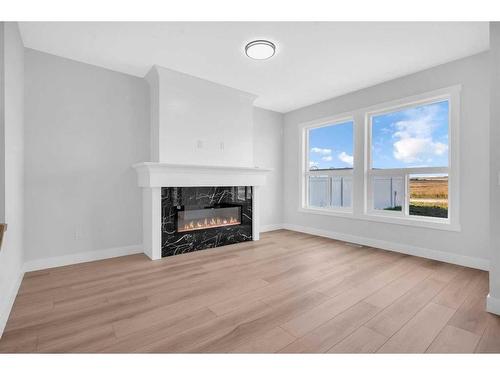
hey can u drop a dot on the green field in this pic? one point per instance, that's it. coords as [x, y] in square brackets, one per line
[424, 209]
[432, 210]
[428, 197]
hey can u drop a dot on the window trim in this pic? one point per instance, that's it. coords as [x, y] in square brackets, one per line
[360, 171]
[305, 172]
[452, 95]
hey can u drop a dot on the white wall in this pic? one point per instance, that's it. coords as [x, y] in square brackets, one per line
[470, 245]
[268, 153]
[192, 117]
[85, 127]
[494, 298]
[187, 111]
[2, 125]
[11, 122]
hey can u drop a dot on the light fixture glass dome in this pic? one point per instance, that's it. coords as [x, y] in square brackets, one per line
[260, 49]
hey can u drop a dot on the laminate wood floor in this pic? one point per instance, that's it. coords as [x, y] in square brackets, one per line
[289, 292]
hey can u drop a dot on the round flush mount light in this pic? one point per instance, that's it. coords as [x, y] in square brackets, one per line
[260, 49]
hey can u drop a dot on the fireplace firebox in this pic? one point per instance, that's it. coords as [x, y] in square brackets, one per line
[197, 218]
[210, 217]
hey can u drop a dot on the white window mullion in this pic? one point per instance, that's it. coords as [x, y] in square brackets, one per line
[407, 195]
[330, 191]
[400, 171]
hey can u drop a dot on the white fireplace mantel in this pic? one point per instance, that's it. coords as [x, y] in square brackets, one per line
[152, 176]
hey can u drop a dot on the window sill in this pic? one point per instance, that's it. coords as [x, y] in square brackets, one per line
[407, 221]
[327, 211]
[422, 222]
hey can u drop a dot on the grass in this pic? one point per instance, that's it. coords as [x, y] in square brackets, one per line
[395, 208]
[425, 209]
[428, 197]
[429, 188]
[429, 210]
[440, 204]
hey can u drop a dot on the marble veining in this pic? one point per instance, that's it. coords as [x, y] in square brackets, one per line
[195, 198]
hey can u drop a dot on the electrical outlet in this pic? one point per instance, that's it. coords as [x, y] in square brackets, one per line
[78, 234]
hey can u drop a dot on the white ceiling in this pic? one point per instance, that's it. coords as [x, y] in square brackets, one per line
[314, 61]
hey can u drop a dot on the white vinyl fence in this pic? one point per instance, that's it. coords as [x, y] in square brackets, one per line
[330, 191]
[388, 192]
[336, 191]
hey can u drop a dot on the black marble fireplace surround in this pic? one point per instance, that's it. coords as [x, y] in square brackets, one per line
[199, 234]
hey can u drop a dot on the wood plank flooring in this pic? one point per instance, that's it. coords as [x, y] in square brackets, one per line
[289, 292]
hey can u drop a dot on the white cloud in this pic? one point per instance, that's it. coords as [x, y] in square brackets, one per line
[321, 151]
[411, 150]
[327, 158]
[439, 148]
[414, 141]
[346, 158]
[313, 164]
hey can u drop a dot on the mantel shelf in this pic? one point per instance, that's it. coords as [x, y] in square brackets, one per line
[152, 174]
[191, 167]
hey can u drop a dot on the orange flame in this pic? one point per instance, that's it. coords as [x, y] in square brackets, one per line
[209, 223]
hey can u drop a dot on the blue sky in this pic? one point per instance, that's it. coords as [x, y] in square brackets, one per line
[413, 137]
[331, 146]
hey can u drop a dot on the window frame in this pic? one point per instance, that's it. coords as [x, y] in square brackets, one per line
[306, 173]
[452, 95]
[360, 117]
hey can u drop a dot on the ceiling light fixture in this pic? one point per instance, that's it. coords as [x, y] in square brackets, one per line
[260, 49]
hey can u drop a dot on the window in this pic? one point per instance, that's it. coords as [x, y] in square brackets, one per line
[329, 164]
[409, 153]
[406, 170]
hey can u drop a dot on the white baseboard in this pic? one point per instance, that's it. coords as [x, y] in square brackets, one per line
[270, 227]
[493, 305]
[88, 256]
[7, 303]
[462, 260]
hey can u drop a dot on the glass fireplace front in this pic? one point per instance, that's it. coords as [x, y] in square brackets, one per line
[213, 217]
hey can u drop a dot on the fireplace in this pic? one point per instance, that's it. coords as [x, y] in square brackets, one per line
[209, 217]
[169, 188]
[202, 217]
